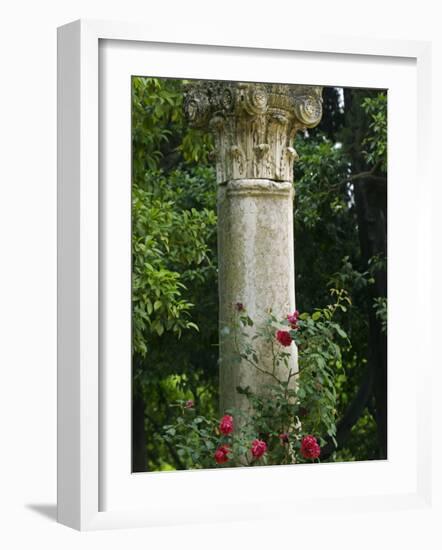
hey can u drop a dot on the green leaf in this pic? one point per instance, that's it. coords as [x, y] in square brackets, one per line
[341, 333]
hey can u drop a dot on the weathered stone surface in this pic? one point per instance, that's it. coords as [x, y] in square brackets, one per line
[256, 268]
[254, 126]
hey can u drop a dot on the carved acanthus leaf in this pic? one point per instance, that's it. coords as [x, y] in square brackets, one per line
[254, 125]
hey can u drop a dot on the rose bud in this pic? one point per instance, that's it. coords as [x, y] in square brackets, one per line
[293, 319]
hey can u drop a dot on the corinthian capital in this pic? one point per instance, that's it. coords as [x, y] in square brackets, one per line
[254, 125]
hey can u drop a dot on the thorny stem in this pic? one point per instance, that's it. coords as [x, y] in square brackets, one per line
[244, 356]
[262, 370]
[273, 356]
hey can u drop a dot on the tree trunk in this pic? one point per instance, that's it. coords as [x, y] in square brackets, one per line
[139, 463]
[371, 206]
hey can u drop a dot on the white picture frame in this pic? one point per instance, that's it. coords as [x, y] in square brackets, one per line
[82, 468]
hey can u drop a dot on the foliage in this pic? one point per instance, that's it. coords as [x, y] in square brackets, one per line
[174, 274]
[160, 136]
[376, 141]
[324, 217]
[380, 307]
[169, 247]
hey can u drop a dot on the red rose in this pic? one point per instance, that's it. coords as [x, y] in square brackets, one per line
[226, 424]
[239, 306]
[310, 448]
[259, 447]
[284, 438]
[284, 337]
[293, 319]
[189, 404]
[221, 454]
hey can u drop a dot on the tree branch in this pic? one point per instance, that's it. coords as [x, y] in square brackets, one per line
[367, 175]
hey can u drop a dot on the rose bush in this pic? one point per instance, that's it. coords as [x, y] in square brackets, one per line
[287, 423]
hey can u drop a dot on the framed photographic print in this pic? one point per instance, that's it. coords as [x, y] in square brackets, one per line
[223, 245]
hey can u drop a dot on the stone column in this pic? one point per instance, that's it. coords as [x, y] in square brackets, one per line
[254, 126]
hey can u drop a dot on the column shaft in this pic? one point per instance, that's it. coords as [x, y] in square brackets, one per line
[256, 269]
